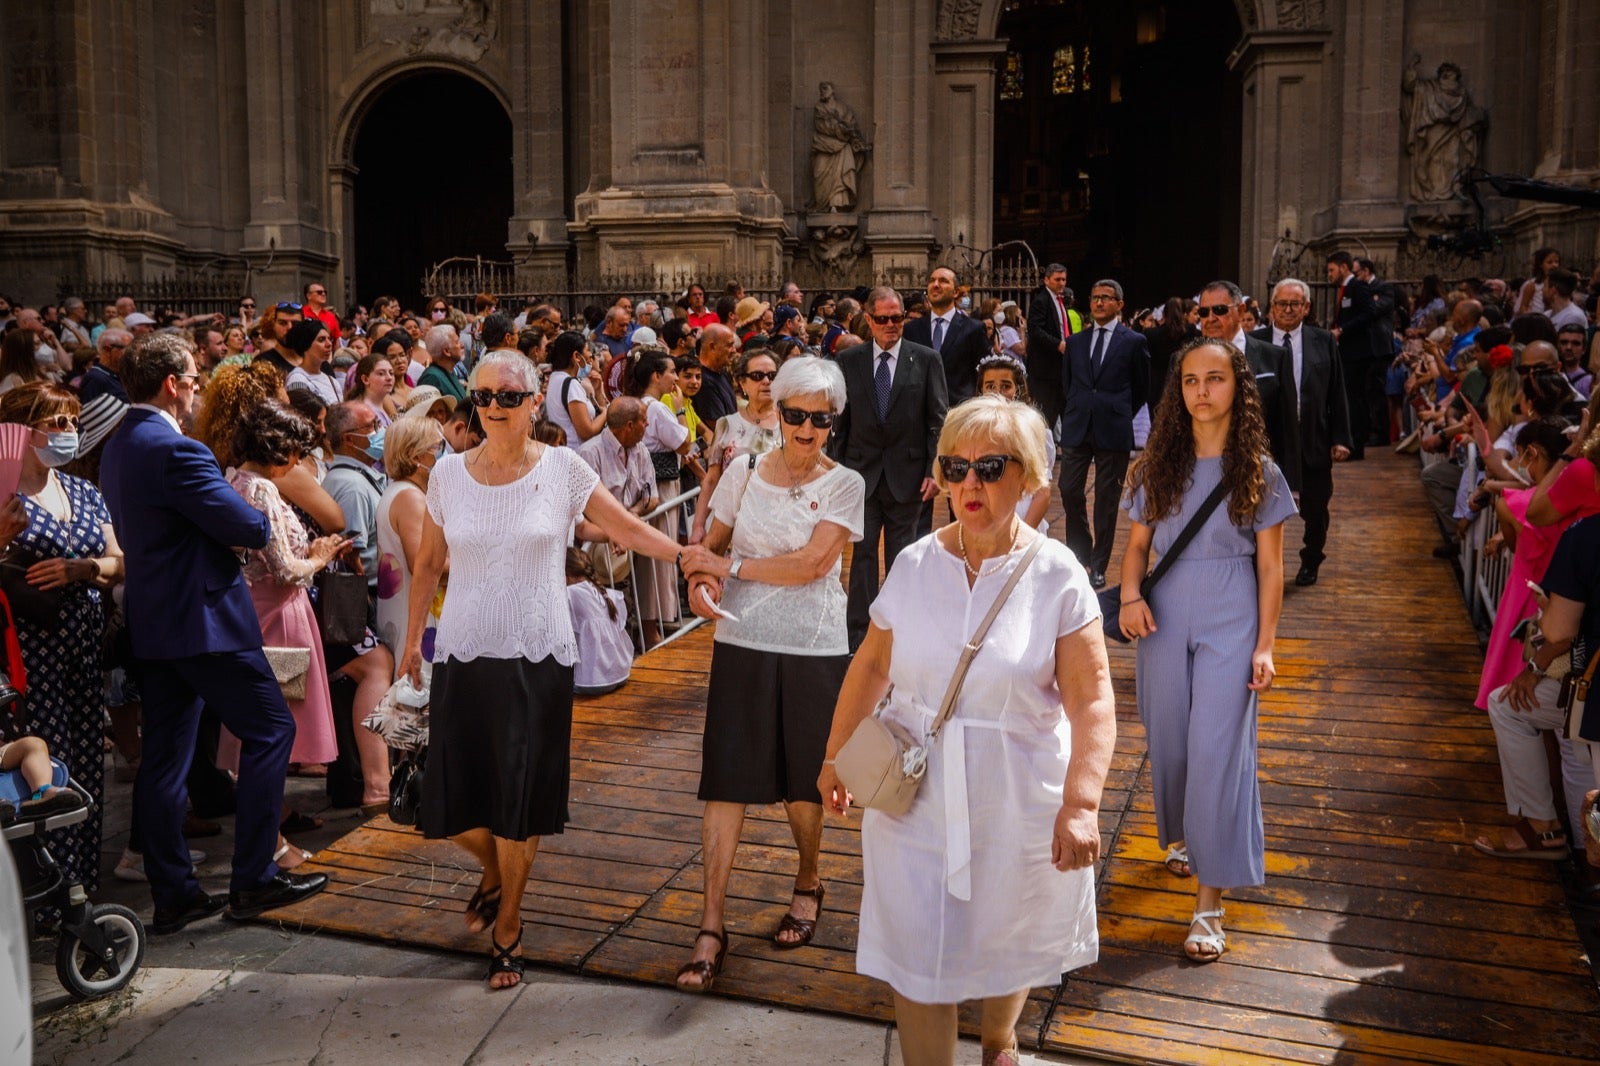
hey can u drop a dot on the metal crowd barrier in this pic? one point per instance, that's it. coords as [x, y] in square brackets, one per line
[688, 622]
[1483, 573]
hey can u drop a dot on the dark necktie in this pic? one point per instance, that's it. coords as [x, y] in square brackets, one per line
[939, 325]
[1288, 343]
[1099, 349]
[881, 381]
[1066, 323]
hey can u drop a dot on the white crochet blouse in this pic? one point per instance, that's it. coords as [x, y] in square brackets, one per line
[508, 558]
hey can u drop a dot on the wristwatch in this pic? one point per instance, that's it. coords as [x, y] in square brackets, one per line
[734, 567]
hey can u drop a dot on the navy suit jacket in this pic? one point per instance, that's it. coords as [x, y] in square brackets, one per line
[1100, 404]
[966, 343]
[179, 521]
[899, 449]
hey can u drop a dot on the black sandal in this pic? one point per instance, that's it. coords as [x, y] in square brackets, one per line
[706, 971]
[299, 822]
[505, 962]
[806, 927]
[485, 906]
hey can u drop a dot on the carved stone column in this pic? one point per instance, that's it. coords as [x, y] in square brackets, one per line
[538, 229]
[899, 223]
[962, 140]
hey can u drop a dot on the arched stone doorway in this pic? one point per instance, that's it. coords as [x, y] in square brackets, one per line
[433, 178]
[1117, 140]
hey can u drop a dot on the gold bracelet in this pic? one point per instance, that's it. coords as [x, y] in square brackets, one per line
[1130, 603]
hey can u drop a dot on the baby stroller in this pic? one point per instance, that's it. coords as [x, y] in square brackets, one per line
[101, 944]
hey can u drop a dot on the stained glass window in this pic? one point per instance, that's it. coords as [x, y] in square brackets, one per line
[1083, 71]
[1064, 72]
[1011, 77]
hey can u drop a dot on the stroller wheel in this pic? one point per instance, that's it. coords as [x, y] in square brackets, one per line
[87, 976]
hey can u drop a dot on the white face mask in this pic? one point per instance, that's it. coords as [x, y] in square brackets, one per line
[999, 318]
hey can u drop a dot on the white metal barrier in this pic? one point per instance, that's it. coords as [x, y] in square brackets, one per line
[688, 622]
[1483, 572]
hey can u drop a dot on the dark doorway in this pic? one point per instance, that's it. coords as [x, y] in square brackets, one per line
[434, 180]
[1117, 142]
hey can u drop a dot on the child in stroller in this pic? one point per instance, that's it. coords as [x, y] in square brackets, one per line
[31, 755]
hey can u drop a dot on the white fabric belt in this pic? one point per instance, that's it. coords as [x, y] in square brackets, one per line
[957, 815]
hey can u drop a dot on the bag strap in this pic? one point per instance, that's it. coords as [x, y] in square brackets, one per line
[1187, 534]
[948, 707]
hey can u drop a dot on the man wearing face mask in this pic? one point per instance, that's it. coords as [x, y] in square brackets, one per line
[353, 482]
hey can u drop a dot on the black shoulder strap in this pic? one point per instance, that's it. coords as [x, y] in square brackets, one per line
[565, 386]
[1184, 537]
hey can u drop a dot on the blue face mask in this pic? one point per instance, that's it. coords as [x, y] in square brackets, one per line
[583, 371]
[61, 449]
[374, 445]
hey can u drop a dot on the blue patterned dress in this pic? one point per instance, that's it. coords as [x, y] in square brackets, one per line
[65, 704]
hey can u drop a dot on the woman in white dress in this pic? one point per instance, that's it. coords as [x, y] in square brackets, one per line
[985, 887]
[752, 430]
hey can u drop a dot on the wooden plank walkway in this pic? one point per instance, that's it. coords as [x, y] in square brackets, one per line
[1380, 936]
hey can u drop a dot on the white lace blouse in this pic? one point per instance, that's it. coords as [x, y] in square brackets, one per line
[508, 552]
[790, 619]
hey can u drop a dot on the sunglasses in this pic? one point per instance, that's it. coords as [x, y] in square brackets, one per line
[248, 304]
[888, 320]
[762, 375]
[59, 423]
[794, 416]
[1215, 309]
[989, 468]
[289, 307]
[506, 398]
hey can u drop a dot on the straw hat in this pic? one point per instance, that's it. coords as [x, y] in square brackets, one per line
[748, 310]
[422, 399]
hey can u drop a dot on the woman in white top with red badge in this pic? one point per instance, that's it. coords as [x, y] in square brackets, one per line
[501, 707]
[984, 888]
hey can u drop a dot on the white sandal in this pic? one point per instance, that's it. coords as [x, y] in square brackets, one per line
[1178, 853]
[1210, 939]
[305, 856]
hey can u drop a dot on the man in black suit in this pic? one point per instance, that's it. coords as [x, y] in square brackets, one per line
[1355, 328]
[889, 434]
[1106, 377]
[1324, 412]
[959, 339]
[1219, 320]
[1050, 323]
[1384, 326]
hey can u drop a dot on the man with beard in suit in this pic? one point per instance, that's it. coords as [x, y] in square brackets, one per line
[888, 432]
[1219, 321]
[1324, 414]
[959, 339]
[1357, 326]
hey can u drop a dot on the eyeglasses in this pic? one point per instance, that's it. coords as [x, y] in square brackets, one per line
[1215, 309]
[59, 423]
[761, 375]
[1288, 305]
[1103, 298]
[289, 307]
[794, 416]
[989, 468]
[506, 398]
[248, 303]
[888, 320]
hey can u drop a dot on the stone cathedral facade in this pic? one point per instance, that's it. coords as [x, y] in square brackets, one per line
[140, 138]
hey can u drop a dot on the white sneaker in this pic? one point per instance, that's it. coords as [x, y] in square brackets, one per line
[131, 866]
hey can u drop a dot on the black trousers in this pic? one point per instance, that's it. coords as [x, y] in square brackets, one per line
[897, 524]
[1050, 398]
[1369, 406]
[1316, 489]
[1110, 468]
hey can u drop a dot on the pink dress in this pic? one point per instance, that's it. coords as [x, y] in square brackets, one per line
[1535, 544]
[279, 575]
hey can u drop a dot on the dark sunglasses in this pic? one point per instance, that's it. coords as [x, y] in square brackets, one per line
[888, 320]
[762, 375]
[248, 303]
[1215, 309]
[506, 398]
[289, 307]
[794, 416]
[60, 423]
[989, 468]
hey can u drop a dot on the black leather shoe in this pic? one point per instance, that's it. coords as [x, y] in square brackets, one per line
[1306, 577]
[281, 891]
[201, 906]
[1097, 580]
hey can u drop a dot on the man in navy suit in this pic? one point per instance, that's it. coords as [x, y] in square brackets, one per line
[1105, 374]
[888, 432]
[959, 339]
[195, 630]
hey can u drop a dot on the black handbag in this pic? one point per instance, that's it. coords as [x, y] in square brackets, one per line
[341, 607]
[668, 465]
[40, 606]
[405, 789]
[1111, 598]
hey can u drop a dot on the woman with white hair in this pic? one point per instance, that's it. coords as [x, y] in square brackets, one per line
[984, 888]
[501, 709]
[779, 524]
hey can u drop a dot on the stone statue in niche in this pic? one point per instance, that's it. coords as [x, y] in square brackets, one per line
[836, 151]
[467, 35]
[1444, 130]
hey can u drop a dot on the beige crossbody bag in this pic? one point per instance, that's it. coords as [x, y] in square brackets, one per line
[882, 764]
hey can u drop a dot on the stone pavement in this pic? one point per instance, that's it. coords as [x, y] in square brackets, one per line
[255, 994]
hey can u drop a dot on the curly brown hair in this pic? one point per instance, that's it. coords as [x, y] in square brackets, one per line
[233, 392]
[1166, 469]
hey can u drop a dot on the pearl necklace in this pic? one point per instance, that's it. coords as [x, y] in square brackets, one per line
[961, 542]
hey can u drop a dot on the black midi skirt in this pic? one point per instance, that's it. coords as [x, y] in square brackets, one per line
[499, 743]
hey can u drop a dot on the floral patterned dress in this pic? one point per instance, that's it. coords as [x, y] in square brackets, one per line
[279, 576]
[65, 703]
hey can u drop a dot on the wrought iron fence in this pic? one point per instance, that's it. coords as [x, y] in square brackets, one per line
[203, 294]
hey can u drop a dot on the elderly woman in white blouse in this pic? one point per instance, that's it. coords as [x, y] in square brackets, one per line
[501, 709]
[984, 888]
[781, 648]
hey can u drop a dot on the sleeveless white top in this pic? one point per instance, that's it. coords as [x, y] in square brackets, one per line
[508, 558]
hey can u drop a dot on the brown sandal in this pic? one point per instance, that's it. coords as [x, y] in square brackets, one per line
[805, 927]
[706, 971]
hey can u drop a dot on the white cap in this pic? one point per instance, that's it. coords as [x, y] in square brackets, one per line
[138, 318]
